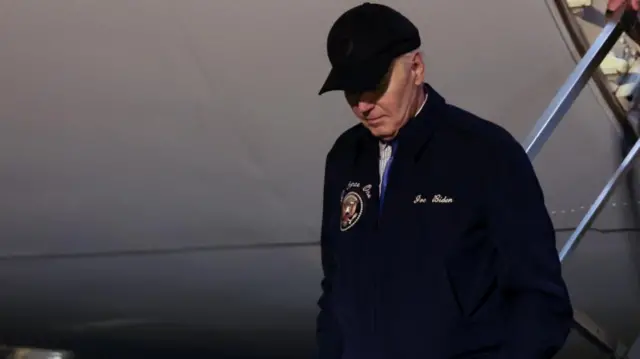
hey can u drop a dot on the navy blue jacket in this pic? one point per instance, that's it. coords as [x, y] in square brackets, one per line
[460, 263]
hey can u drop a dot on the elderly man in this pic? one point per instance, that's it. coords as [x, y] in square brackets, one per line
[436, 242]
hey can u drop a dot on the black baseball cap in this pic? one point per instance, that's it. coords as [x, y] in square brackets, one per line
[362, 44]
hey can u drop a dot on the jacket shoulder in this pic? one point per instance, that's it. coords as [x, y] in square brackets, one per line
[345, 142]
[475, 131]
[490, 153]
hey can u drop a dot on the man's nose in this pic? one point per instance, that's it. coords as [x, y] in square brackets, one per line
[365, 106]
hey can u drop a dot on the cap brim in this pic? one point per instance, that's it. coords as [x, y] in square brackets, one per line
[361, 78]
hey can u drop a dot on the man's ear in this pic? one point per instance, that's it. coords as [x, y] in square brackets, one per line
[417, 67]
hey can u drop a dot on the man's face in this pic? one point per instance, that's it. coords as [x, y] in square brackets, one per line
[385, 110]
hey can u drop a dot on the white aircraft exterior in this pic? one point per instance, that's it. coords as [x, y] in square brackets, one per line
[161, 163]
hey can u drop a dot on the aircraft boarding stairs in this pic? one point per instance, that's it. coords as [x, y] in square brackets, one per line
[546, 124]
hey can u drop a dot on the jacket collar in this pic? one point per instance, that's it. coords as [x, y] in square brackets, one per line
[415, 134]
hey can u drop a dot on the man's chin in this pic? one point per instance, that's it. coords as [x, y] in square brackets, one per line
[382, 134]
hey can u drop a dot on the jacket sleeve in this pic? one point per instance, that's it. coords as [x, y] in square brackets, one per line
[329, 341]
[540, 312]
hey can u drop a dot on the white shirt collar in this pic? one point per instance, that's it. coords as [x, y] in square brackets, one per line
[423, 102]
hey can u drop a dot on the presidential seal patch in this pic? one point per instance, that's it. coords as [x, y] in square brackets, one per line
[352, 207]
